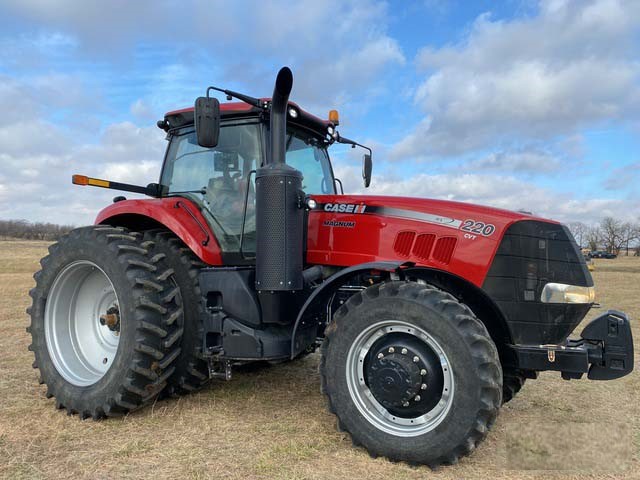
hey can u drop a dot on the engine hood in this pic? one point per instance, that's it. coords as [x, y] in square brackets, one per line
[449, 213]
[458, 237]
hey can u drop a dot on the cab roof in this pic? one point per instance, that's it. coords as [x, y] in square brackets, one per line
[184, 117]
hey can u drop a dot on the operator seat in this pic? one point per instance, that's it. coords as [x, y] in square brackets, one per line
[225, 201]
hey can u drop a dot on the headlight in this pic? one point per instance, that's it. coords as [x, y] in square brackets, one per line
[562, 293]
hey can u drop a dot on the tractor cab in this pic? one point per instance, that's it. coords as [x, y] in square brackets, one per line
[221, 179]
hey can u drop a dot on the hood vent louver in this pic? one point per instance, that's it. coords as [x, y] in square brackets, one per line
[443, 250]
[403, 243]
[424, 244]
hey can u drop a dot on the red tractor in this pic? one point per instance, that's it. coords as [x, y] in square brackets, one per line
[429, 314]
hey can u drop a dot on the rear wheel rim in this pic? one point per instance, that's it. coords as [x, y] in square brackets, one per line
[365, 401]
[81, 348]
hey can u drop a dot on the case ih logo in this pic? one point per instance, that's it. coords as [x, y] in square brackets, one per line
[344, 208]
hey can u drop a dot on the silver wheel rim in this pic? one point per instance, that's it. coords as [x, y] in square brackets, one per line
[81, 348]
[366, 403]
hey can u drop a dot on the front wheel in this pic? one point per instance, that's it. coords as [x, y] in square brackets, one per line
[411, 373]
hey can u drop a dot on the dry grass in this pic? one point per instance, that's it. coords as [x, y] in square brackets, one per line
[271, 422]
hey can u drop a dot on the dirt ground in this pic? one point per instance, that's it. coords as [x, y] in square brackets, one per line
[272, 423]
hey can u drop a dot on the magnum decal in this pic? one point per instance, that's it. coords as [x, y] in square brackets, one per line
[337, 223]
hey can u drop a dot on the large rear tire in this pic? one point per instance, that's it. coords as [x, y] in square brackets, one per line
[104, 322]
[191, 369]
[411, 373]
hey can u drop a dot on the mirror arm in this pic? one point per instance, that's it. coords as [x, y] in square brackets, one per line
[256, 102]
[348, 141]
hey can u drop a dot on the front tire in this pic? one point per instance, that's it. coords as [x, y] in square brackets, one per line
[512, 382]
[103, 322]
[411, 373]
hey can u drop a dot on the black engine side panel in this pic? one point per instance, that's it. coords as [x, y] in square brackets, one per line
[532, 254]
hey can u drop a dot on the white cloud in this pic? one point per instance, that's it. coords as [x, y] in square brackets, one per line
[500, 191]
[624, 177]
[523, 161]
[572, 66]
[339, 49]
[40, 176]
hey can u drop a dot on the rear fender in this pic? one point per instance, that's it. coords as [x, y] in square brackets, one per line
[179, 215]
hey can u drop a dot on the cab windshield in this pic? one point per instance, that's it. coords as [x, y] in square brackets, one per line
[221, 179]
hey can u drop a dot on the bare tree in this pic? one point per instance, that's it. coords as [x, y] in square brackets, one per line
[580, 232]
[32, 231]
[593, 238]
[612, 231]
[630, 235]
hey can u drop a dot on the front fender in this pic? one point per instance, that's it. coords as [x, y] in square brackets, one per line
[179, 215]
[323, 292]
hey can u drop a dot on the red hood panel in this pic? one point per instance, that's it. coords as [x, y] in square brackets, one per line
[453, 236]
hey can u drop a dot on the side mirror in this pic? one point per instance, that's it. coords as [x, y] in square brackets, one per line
[367, 167]
[207, 120]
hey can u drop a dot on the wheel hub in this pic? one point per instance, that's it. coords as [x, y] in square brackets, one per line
[394, 379]
[404, 375]
[111, 319]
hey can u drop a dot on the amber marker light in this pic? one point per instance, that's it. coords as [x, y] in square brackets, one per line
[334, 117]
[80, 180]
[94, 182]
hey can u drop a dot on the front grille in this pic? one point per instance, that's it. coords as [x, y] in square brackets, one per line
[532, 254]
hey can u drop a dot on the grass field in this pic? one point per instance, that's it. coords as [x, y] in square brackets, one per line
[272, 423]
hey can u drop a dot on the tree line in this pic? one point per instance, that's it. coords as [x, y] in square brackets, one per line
[32, 230]
[611, 234]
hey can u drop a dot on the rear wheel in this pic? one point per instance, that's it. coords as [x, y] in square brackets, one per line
[411, 373]
[103, 322]
[191, 369]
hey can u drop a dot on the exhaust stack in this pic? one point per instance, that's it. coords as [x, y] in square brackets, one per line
[279, 200]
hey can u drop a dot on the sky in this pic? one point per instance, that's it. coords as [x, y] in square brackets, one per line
[518, 104]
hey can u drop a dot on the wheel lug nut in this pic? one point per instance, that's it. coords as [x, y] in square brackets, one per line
[405, 404]
[423, 372]
[416, 359]
[380, 355]
[417, 398]
[423, 386]
[404, 351]
[391, 349]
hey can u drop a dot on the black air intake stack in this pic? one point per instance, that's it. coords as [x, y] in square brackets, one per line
[279, 200]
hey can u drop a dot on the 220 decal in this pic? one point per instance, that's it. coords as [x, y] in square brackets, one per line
[485, 229]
